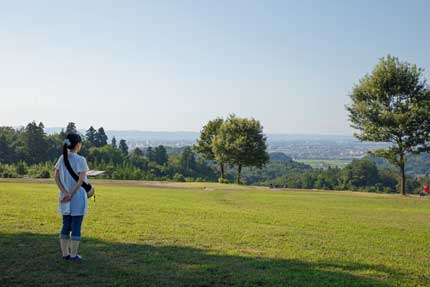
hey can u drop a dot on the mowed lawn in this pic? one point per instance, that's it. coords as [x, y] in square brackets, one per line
[217, 235]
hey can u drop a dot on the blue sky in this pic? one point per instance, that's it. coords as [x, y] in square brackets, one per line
[173, 65]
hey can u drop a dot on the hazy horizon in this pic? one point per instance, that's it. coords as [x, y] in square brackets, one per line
[55, 129]
[170, 66]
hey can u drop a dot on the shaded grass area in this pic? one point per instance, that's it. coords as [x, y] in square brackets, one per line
[118, 264]
[143, 236]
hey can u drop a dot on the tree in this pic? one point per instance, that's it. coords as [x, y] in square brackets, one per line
[113, 142]
[21, 168]
[33, 143]
[187, 161]
[123, 146]
[160, 155]
[6, 151]
[360, 173]
[9, 141]
[241, 142]
[138, 152]
[101, 138]
[137, 159]
[106, 154]
[71, 128]
[393, 105]
[90, 135]
[204, 145]
[150, 154]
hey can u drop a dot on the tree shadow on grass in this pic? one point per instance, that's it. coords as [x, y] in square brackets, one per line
[28, 259]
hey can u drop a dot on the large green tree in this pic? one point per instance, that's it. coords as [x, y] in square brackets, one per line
[392, 105]
[241, 142]
[204, 145]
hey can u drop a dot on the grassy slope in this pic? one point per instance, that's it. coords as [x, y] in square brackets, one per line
[144, 236]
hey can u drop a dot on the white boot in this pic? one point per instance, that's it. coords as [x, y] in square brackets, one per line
[74, 250]
[64, 243]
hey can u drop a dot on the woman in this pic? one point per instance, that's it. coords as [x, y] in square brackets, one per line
[73, 202]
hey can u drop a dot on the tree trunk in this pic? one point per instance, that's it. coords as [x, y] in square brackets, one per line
[402, 175]
[239, 170]
[402, 179]
[221, 168]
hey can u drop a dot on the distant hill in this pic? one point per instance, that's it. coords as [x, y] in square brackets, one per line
[416, 165]
[279, 156]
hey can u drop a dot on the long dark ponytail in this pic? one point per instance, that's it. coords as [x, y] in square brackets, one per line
[70, 143]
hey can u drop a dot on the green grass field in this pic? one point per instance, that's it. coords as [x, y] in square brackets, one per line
[216, 235]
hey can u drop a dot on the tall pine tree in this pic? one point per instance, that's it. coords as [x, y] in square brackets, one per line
[34, 144]
[123, 146]
[161, 157]
[90, 135]
[101, 138]
[113, 143]
[6, 152]
[150, 154]
[71, 128]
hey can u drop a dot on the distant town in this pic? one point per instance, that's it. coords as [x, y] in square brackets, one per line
[339, 148]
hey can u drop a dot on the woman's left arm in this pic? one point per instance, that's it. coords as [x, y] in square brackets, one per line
[58, 181]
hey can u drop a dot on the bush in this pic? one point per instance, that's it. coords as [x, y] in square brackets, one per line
[178, 177]
[387, 190]
[7, 171]
[223, 180]
[21, 168]
[44, 174]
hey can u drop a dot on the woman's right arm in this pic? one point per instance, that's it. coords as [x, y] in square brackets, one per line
[78, 183]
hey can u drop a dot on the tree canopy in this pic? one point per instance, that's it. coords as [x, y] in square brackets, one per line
[241, 142]
[204, 145]
[392, 104]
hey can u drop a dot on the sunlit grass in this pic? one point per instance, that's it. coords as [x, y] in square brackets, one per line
[199, 234]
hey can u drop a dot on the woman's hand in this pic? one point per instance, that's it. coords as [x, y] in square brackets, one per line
[67, 197]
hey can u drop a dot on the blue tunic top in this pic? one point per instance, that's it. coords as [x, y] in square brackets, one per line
[79, 203]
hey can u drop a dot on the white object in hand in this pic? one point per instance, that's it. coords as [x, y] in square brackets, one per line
[94, 172]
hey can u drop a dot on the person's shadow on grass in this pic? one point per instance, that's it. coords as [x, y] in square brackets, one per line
[28, 259]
